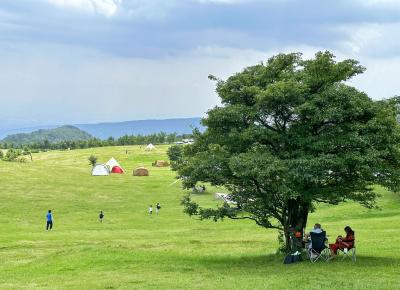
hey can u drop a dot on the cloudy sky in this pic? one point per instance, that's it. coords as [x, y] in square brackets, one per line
[76, 61]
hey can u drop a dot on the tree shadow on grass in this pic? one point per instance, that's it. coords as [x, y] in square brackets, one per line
[261, 262]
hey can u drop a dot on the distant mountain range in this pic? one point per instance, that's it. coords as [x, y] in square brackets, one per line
[64, 133]
[118, 129]
[143, 127]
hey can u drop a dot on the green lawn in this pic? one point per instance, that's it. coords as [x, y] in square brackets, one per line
[132, 250]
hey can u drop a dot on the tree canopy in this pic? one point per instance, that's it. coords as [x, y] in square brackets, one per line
[291, 133]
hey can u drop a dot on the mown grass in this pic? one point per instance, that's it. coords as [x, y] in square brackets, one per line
[132, 250]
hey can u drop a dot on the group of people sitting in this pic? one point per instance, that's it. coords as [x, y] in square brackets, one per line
[341, 243]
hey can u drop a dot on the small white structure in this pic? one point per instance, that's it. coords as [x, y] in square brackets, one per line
[150, 147]
[112, 162]
[225, 197]
[100, 170]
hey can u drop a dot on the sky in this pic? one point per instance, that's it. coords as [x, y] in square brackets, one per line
[87, 61]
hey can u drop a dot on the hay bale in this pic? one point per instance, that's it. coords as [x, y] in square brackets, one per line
[160, 163]
[140, 171]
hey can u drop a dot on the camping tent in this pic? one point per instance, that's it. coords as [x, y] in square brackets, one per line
[117, 169]
[112, 162]
[100, 170]
[114, 166]
[140, 171]
[150, 147]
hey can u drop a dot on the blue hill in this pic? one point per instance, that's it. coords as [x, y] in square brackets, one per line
[143, 127]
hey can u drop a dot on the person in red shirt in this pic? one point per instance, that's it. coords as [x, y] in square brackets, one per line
[343, 242]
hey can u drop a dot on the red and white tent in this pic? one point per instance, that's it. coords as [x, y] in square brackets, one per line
[114, 166]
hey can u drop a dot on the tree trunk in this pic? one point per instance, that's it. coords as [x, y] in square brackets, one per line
[296, 220]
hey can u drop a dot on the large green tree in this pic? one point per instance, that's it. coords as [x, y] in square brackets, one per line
[291, 133]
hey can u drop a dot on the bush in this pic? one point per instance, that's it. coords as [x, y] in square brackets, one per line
[92, 160]
[12, 155]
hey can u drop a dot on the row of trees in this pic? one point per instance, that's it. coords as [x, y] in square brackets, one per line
[158, 138]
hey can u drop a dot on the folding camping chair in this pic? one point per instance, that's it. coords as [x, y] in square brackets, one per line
[348, 253]
[318, 248]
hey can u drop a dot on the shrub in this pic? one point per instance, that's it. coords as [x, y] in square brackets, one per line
[92, 160]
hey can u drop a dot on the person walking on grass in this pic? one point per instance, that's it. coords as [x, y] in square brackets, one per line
[158, 207]
[101, 216]
[150, 210]
[49, 220]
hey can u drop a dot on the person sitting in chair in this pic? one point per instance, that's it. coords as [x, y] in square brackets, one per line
[343, 242]
[295, 239]
[317, 229]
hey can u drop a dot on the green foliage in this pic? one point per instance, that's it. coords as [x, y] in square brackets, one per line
[175, 155]
[48, 136]
[1, 154]
[92, 160]
[291, 133]
[12, 155]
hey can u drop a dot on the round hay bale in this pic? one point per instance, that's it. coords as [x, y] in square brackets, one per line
[161, 163]
[140, 171]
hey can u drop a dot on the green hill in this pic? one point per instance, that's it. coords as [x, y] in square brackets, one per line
[132, 250]
[64, 133]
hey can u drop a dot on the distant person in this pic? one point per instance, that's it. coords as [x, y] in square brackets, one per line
[101, 216]
[150, 210]
[49, 220]
[158, 207]
[343, 242]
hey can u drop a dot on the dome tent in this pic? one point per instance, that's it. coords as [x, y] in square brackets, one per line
[117, 169]
[140, 171]
[100, 170]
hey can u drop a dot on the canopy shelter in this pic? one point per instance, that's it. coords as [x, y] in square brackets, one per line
[100, 170]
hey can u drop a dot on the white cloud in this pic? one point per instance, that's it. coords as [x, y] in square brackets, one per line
[371, 40]
[105, 7]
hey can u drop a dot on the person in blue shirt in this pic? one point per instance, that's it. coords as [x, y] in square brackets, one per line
[49, 220]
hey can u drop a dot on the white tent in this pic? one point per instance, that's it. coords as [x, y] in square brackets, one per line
[100, 170]
[112, 162]
[150, 147]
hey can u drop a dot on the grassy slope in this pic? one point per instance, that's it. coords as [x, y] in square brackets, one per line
[132, 250]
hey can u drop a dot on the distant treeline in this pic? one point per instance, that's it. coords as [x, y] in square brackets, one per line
[158, 138]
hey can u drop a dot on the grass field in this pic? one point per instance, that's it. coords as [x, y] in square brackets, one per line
[132, 250]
